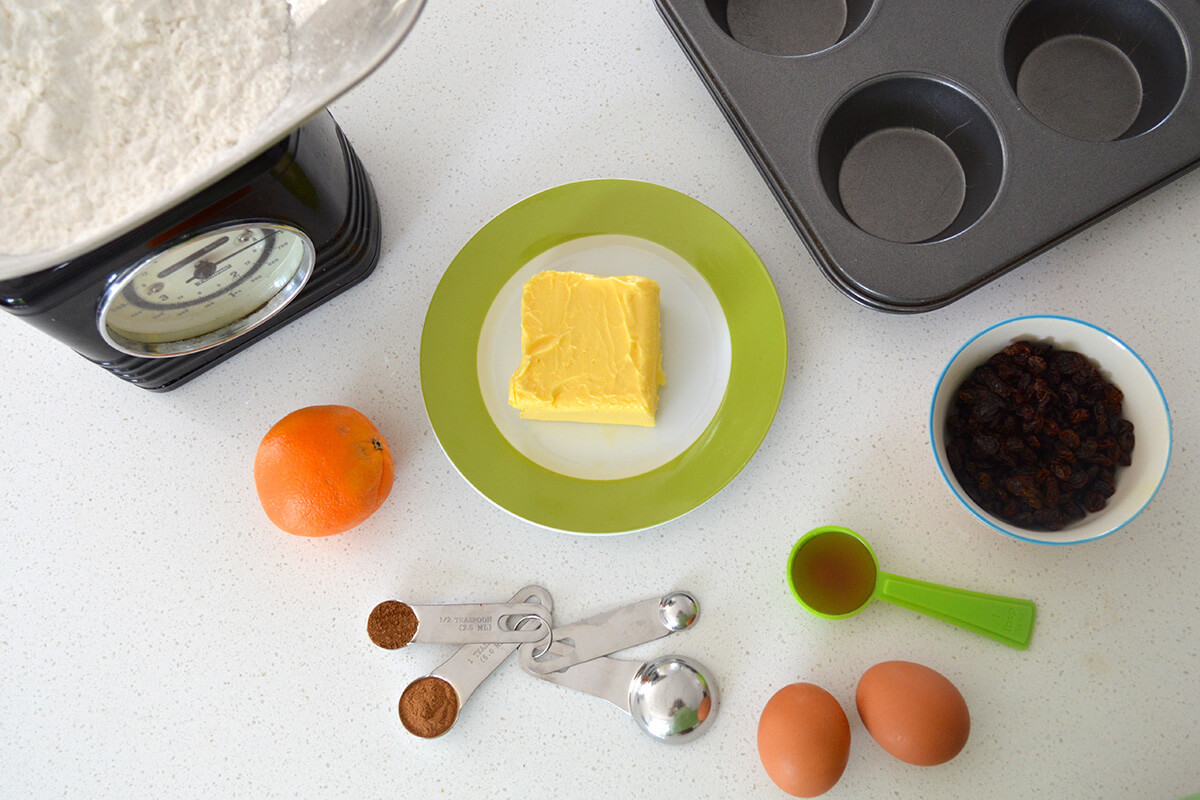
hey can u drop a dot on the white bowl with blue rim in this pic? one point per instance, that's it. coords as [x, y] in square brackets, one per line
[1144, 405]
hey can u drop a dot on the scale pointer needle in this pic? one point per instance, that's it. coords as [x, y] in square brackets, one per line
[183, 262]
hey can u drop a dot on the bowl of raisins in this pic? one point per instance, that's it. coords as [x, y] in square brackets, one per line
[1050, 430]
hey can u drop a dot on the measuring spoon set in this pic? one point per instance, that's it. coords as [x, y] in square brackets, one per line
[672, 698]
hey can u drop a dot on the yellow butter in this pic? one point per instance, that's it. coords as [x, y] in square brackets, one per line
[590, 349]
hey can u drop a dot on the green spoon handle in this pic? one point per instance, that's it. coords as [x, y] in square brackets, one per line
[1005, 619]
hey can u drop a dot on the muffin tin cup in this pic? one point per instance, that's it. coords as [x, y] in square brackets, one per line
[932, 86]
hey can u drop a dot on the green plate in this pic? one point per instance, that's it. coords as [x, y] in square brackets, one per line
[678, 240]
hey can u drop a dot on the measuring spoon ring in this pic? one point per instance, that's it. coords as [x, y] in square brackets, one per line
[393, 624]
[430, 705]
[834, 573]
[673, 698]
[613, 631]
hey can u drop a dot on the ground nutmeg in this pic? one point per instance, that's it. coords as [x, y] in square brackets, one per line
[392, 624]
[428, 707]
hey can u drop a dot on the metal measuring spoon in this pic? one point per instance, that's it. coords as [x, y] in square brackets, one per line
[429, 706]
[672, 698]
[393, 624]
[613, 631]
[834, 573]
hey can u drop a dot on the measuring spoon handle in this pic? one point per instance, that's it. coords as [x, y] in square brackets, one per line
[607, 678]
[479, 623]
[616, 630]
[1005, 619]
[473, 663]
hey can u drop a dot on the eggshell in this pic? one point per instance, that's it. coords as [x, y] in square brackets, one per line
[914, 712]
[804, 739]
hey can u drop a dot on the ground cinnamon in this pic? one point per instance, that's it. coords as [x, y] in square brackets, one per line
[428, 707]
[392, 624]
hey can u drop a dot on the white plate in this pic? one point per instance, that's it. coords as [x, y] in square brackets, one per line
[696, 359]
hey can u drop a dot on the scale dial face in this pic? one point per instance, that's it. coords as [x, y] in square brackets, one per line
[205, 290]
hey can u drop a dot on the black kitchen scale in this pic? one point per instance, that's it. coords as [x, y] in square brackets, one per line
[284, 226]
[191, 287]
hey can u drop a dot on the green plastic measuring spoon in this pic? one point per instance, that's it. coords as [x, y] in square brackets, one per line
[834, 573]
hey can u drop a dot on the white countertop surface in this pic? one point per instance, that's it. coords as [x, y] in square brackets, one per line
[160, 638]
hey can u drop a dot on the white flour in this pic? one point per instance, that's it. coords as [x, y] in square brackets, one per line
[107, 104]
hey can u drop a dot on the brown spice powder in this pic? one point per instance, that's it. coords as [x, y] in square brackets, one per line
[428, 707]
[392, 625]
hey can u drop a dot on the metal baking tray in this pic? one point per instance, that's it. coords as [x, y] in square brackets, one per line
[922, 148]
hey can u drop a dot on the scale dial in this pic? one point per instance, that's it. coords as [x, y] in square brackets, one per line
[205, 290]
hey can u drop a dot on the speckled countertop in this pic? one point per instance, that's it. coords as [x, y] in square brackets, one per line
[159, 638]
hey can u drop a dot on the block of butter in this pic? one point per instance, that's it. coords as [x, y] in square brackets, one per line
[590, 349]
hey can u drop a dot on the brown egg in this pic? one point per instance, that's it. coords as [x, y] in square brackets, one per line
[914, 712]
[804, 739]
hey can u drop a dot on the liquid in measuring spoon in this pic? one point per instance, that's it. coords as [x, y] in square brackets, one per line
[834, 573]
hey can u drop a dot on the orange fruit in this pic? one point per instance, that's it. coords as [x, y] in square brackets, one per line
[322, 470]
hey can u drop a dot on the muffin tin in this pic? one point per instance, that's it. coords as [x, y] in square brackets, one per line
[923, 148]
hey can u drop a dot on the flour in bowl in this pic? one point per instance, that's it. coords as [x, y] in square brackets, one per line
[110, 104]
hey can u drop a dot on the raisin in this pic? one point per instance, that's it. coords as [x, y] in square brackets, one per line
[1071, 510]
[1050, 519]
[986, 444]
[1067, 362]
[1051, 492]
[1021, 485]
